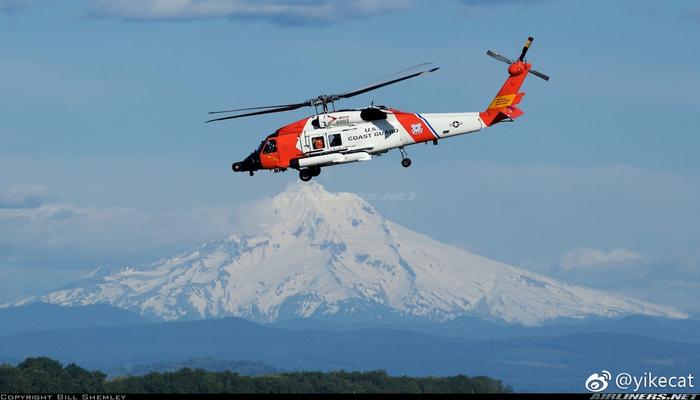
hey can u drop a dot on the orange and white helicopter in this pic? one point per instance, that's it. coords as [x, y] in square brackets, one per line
[332, 137]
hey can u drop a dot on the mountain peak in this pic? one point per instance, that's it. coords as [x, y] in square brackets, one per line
[332, 255]
[304, 188]
[298, 194]
[308, 207]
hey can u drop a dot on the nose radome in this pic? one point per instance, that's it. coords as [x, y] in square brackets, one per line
[250, 164]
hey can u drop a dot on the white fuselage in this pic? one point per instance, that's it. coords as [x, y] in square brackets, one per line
[343, 133]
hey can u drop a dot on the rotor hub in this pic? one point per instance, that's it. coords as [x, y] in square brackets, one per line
[516, 68]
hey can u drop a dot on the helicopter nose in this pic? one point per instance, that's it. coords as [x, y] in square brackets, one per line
[250, 164]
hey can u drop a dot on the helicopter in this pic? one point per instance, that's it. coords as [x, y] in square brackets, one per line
[332, 137]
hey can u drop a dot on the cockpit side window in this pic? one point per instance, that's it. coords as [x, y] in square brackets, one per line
[270, 146]
[318, 143]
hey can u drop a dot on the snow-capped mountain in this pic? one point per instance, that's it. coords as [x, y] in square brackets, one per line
[332, 255]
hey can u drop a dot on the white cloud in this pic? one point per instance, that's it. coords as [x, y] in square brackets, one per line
[25, 195]
[44, 244]
[584, 257]
[77, 236]
[279, 11]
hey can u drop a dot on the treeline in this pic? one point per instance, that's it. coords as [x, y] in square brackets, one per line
[44, 375]
[243, 367]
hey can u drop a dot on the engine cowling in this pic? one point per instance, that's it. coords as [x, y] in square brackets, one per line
[372, 114]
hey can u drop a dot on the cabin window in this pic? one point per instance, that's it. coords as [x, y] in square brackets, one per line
[334, 140]
[270, 146]
[318, 143]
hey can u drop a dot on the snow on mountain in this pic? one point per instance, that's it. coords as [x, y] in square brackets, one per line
[332, 255]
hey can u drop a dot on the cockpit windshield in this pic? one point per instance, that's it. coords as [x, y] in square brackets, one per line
[265, 143]
[270, 146]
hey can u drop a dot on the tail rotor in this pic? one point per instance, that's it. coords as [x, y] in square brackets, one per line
[520, 59]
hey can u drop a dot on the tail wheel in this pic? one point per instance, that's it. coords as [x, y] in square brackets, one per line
[305, 175]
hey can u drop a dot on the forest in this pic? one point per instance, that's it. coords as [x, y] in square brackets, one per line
[44, 375]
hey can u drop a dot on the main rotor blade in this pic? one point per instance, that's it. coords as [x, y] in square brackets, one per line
[385, 83]
[252, 108]
[325, 99]
[499, 57]
[539, 74]
[405, 71]
[274, 110]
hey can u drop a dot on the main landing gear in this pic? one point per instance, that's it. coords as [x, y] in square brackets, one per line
[307, 173]
[405, 161]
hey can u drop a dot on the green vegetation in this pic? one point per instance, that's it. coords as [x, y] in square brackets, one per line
[44, 375]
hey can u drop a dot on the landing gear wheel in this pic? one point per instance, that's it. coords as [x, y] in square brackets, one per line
[315, 171]
[405, 161]
[251, 173]
[305, 175]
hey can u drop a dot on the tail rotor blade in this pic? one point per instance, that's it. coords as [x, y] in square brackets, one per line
[499, 57]
[539, 74]
[528, 42]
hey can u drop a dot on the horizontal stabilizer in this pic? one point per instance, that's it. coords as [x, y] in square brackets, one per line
[496, 115]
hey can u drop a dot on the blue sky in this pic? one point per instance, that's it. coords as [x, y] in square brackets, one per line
[105, 158]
